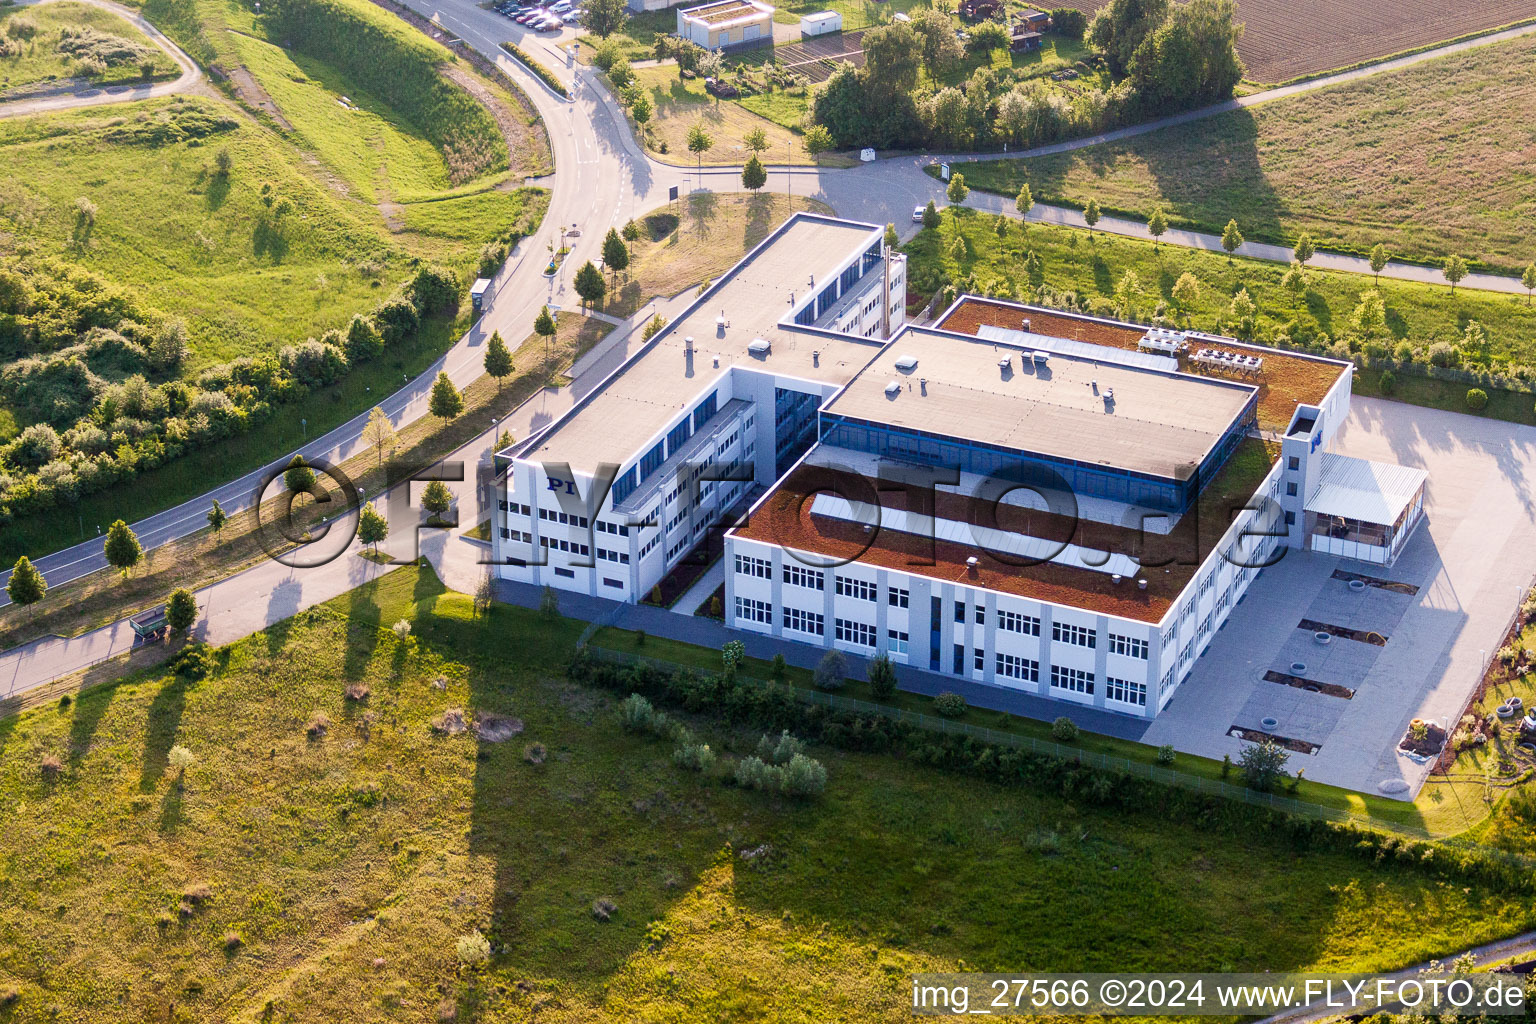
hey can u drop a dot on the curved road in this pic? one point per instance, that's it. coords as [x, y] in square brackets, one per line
[191, 74]
[604, 178]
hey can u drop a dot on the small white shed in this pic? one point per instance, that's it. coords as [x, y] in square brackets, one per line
[821, 23]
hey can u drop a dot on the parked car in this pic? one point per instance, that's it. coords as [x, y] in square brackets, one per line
[551, 23]
[917, 214]
[527, 17]
[725, 90]
[561, 8]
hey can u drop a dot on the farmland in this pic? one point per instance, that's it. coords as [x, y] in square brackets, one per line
[44, 44]
[1431, 160]
[1289, 39]
[321, 854]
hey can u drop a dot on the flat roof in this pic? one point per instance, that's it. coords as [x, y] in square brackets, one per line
[786, 517]
[1287, 379]
[1157, 422]
[1359, 489]
[637, 400]
[726, 10]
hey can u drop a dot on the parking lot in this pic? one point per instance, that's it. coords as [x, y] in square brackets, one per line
[1404, 642]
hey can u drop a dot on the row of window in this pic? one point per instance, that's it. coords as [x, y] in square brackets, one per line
[512, 506]
[761, 568]
[622, 557]
[617, 529]
[858, 589]
[1078, 636]
[522, 535]
[563, 518]
[1015, 622]
[1130, 646]
[1011, 666]
[851, 631]
[749, 610]
[564, 545]
[803, 621]
[1073, 680]
[1125, 692]
[800, 576]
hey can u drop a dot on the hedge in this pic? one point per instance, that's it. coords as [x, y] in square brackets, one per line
[539, 70]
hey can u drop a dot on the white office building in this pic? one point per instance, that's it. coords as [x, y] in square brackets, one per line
[1048, 502]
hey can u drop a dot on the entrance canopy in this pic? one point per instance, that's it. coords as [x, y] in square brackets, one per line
[1364, 491]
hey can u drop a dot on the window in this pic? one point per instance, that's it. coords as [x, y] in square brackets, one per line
[748, 610]
[1125, 692]
[802, 622]
[1130, 646]
[1205, 626]
[1290, 519]
[1011, 666]
[802, 577]
[851, 632]
[1072, 680]
[566, 573]
[959, 611]
[1290, 488]
[746, 565]
[609, 581]
[979, 660]
[898, 597]
[1013, 622]
[958, 662]
[981, 615]
[896, 641]
[1079, 636]
[677, 435]
[1293, 463]
[856, 588]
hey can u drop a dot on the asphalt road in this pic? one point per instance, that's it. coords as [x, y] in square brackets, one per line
[604, 178]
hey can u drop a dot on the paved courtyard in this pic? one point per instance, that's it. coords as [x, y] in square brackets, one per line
[1404, 642]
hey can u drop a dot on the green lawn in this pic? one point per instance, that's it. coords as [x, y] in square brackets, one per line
[1094, 266]
[1431, 160]
[327, 876]
[30, 54]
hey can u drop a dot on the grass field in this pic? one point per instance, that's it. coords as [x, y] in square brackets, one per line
[37, 60]
[1420, 314]
[328, 876]
[1431, 160]
[679, 105]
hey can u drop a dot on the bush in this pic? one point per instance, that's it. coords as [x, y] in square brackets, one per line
[535, 753]
[473, 948]
[194, 661]
[1388, 382]
[1165, 754]
[986, 37]
[1069, 22]
[780, 749]
[755, 773]
[696, 757]
[636, 714]
[803, 776]
[434, 289]
[950, 705]
[1064, 729]
[1477, 399]
[882, 677]
[831, 671]
[540, 72]
[1263, 764]
[1443, 354]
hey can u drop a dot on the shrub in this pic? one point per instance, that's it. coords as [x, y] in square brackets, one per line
[473, 948]
[986, 37]
[1165, 754]
[779, 670]
[636, 714]
[193, 661]
[1064, 729]
[535, 753]
[549, 603]
[755, 773]
[604, 908]
[396, 320]
[831, 671]
[780, 749]
[1443, 354]
[1388, 382]
[882, 677]
[434, 289]
[695, 757]
[1263, 764]
[539, 71]
[319, 725]
[1069, 22]
[803, 776]
[1477, 399]
[233, 941]
[950, 705]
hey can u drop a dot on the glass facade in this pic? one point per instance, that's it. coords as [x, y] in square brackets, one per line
[794, 425]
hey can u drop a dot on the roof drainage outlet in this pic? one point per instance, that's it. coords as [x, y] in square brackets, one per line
[1269, 724]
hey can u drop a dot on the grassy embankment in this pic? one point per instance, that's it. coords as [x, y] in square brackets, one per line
[1430, 160]
[1094, 267]
[105, 49]
[327, 874]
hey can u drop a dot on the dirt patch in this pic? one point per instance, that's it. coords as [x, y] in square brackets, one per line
[515, 130]
[450, 722]
[496, 728]
[250, 92]
[394, 216]
[1428, 745]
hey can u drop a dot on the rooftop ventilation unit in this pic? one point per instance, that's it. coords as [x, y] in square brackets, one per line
[893, 388]
[906, 364]
[760, 346]
[688, 343]
[1041, 358]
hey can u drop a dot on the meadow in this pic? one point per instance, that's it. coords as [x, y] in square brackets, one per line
[322, 854]
[104, 48]
[1430, 160]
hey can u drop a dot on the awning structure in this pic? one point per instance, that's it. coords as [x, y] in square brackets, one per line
[1364, 491]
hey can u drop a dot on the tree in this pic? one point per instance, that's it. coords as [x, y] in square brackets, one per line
[1528, 280]
[640, 108]
[930, 215]
[756, 140]
[687, 54]
[817, 140]
[1474, 339]
[298, 477]
[589, 284]
[498, 359]
[1455, 269]
[1242, 314]
[1025, 201]
[1091, 214]
[1128, 295]
[122, 547]
[436, 498]
[1157, 224]
[372, 527]
[753, 177]
[882, 677]
[379, 433]
[1304, 249]
[485, 593]
[732, 654]
[1263, 764]
[1120, 28]
[604, 17]
[1379, 259]
[957, 190]
[621, 74]
[169, 346]
[549, 603]
[699, 143]
[217, 516]
[1190, 59]
[445, 401]
[631, 230]
[1370, 317]
[937, 47]
[26, 586]
[1231, 238]
[181, 610]
[892, 239]
[831, 672]
[1186, 291]
[544, 326]
[615, 252]
[893, 56]
[1294, 280]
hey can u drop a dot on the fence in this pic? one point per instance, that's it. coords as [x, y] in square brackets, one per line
[1107, 762]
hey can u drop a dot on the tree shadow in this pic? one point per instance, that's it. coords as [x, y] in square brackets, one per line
[217, 192]
[88, 708]
[171, 807]
[702, 208]
[160, 727]
[269, 240]
[363, 638]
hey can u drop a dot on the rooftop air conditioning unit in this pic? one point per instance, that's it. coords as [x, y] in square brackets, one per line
[893, 388]
[906, 364]
[760, 346]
